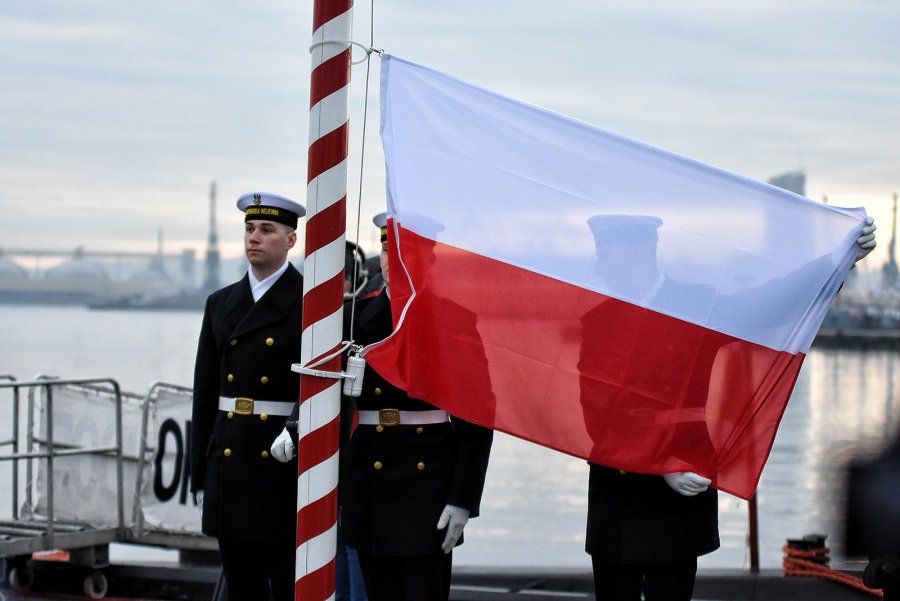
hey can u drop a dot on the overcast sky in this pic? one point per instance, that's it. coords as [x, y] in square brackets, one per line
[116, 116]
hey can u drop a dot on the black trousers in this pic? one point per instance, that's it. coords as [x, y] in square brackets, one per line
[672, 581]
[407, 577]
[253, 571]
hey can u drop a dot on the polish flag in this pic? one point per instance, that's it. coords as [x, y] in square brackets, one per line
[592, 293]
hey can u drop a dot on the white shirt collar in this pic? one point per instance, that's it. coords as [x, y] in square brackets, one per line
[260, 287]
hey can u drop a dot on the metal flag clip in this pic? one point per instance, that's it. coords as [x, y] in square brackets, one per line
[356, 368]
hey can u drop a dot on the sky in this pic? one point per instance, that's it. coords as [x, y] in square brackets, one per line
[115, 117]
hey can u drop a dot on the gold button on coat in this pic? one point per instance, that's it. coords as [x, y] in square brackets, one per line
[421, 465]
[233, 341]
[231, 415]
[228, 452]
[264, 379]
[379, 428]
[377, 465]
[230, 377]
[377, 391]
[265, 454]
[419, 430]
[270, 341]
[264, 416]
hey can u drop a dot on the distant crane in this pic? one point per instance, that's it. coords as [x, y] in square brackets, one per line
[157, 263]
[211, 280]
[889, 271]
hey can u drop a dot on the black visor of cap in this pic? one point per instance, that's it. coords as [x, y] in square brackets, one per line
[265, 213]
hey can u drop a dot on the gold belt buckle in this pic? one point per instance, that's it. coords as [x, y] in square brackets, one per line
[388, 417]
[243, 406]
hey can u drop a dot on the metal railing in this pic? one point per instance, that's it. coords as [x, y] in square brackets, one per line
[152, 395]
[13, 442]
[53, 451]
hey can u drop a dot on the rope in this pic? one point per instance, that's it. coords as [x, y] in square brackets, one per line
[814, 562]
[367, 49]
[362, 154]
[310, 370]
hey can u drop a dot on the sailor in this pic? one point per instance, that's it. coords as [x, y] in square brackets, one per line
[646, 531]
[244, 390]
[412, 475]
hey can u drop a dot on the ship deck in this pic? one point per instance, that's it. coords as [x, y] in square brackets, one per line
[56, 581]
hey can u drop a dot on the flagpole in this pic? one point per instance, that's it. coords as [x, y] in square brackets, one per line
[323, 285]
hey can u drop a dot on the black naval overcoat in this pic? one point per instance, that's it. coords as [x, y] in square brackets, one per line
[246, 350]
[638, 518]
[396, 482]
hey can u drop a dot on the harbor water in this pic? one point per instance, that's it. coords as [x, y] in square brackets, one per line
[844, 407]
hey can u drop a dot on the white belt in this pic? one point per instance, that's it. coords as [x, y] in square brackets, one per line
[395, 417]
[245, 406]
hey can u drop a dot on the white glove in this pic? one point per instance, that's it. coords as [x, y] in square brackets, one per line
[454, 519]
[199, 496]
[866, 240]
[283, 448]
[688, 484]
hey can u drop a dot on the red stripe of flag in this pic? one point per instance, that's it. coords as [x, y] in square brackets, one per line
[581, 372]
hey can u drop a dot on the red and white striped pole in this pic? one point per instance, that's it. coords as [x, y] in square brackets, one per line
[323, 288]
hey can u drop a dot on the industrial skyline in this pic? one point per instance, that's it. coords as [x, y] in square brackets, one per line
[160, 272]
[116, 116]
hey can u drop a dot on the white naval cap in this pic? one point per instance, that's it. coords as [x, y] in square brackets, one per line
[617, 228]
[380, 221]
[270, 207]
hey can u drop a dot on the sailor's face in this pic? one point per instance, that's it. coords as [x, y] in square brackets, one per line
[384, 264]
[267, 243]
